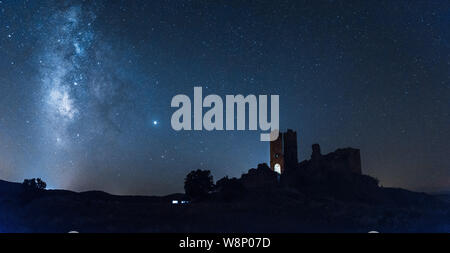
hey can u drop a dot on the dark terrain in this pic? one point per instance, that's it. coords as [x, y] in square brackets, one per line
[257, 210]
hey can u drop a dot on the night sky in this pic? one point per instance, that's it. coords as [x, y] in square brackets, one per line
[85, 87]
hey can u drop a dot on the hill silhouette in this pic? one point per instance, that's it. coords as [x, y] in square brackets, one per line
[254, 209]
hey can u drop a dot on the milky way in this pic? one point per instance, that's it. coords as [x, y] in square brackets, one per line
[82, 95]
[63, 77]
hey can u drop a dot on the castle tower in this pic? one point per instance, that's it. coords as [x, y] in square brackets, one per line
[290, 149]
[283, 152]
[276, 154]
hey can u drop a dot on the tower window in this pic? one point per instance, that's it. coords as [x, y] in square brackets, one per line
[277, 168]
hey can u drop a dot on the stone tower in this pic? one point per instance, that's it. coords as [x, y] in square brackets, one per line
[283, 152]
[276, 154]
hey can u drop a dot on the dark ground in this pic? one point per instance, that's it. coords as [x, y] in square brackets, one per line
[265, 210]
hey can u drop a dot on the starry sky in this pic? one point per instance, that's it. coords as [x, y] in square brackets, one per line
[86, 86]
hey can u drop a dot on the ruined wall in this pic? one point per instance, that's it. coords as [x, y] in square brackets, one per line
[346, 160]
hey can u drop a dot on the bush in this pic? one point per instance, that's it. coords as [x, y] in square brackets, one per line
[34, 184]
[198, 184]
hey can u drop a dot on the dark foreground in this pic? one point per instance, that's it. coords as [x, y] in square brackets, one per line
[269, 210]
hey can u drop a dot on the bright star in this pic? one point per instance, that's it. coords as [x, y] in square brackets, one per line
[155, 122]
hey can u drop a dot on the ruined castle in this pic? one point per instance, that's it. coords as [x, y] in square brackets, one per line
[291, 172]
[284, 156]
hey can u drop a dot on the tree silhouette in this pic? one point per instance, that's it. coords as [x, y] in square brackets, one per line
[41, 185]
[198, 184]
[34, 184]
